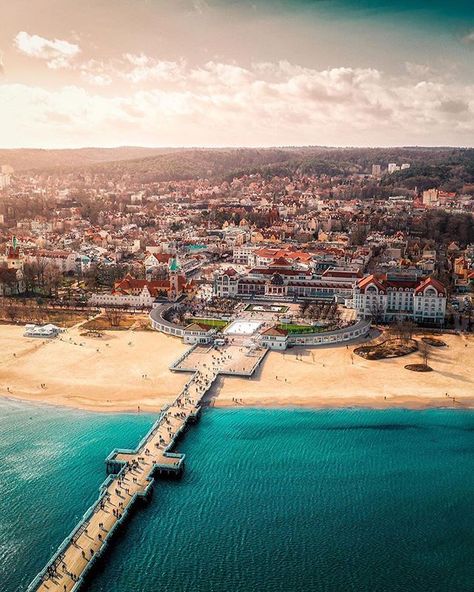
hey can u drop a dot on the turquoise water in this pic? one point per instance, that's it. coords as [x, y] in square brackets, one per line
[271, 500]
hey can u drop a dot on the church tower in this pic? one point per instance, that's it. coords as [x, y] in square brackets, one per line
[174, 272]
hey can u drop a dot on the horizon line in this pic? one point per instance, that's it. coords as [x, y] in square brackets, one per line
[248, 147]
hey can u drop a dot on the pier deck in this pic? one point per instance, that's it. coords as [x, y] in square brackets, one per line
[131, 478]
[131, 472]
[231, 360]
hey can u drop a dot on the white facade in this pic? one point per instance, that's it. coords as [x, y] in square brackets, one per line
[424, 302]
[276, 341]
[243, 255]
[144, 299]
[64, 261]
[4, 181]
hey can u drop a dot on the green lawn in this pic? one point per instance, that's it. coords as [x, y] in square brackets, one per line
[291, 328]
[216, 323]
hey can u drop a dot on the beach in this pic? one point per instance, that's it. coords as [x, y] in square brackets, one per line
[336, 377]
[121, 371]
[129, 370]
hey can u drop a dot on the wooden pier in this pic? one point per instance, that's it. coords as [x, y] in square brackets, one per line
[130, 478]
[131, 473]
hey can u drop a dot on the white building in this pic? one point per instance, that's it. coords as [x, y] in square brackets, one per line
[397, 297]
[376, 170]
[65, 261]
[430, 197]
[42, 331]
[243, 254]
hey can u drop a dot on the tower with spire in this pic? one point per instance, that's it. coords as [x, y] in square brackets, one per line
[174, 271]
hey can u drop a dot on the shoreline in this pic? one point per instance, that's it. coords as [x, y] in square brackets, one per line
[237, 407]
[128, 372]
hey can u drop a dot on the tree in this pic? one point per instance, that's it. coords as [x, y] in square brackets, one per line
[11, 312]
[407, 330]
[377, 312]
[425, 353]
[52, 280]
[113, 316]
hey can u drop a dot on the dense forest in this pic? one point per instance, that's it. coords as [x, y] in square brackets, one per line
[25, 159]
[450, 169]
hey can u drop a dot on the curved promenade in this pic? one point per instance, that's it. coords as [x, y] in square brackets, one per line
[159, 323]
[359, 329]
[350, 333]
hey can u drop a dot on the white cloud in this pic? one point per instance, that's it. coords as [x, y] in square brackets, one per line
[57, 53]
[146, 69]
[96, 79]
[96, 73]
[418, 70]
[172, 103]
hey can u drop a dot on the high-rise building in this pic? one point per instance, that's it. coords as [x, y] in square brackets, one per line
[430, 197]
[404, 166]
[376, 170]
[392, 167]
[5, 175]
[4, 181]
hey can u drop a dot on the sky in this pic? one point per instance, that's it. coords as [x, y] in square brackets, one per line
[236, 73]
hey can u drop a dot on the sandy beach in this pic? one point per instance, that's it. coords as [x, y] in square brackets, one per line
[335, 377]
[125, 370]
[118, 372]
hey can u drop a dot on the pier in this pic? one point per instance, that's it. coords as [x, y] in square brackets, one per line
[131, 473]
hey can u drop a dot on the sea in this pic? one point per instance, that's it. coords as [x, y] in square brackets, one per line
[271, 500]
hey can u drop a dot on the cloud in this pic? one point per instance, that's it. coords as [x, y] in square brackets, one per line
[217, 103]
[96, 79]
[454, 106]
[57, 53]
[144, 68]
[96, 73]
[417, 70]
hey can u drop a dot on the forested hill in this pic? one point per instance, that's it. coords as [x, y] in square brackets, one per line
[448, 168]
[23, 159]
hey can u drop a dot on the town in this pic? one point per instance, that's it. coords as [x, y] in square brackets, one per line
[327, 250]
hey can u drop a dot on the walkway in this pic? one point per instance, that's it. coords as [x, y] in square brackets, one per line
[131, 478]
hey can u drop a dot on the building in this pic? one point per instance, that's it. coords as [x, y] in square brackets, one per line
[42, 331]
[243, 255]
[11, 270]
[5, 176]
[394, 297]
[285, 280]
[376, 170]
[430, 197]
[64, 261]
[198, 333]
[139, 293]
[13, 257]
[266, 256]
[279, 339]
[392, 167]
